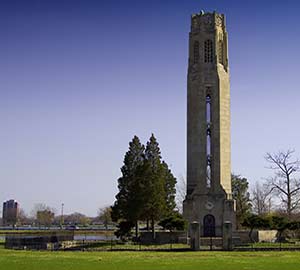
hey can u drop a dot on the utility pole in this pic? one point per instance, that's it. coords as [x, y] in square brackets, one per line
[62, 216]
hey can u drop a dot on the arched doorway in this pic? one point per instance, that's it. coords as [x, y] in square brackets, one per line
[209, 226]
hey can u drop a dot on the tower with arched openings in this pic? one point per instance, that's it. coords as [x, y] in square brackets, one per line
[209, 200]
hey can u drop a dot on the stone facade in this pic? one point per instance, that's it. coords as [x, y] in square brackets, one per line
[209, 200]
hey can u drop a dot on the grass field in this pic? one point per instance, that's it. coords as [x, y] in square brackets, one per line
[44, 260]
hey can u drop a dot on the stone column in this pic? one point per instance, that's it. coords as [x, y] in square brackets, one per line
[195, 236]
[227, 235]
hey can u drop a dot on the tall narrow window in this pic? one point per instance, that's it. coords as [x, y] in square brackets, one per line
[208, 141]
[208, 109]
[221, 53]
[208, 176]
[196, 52]
[208, 144]
[208, 51]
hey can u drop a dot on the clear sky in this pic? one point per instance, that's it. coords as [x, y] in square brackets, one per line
[78, 79]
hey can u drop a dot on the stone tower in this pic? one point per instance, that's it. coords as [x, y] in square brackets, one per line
[208, 200]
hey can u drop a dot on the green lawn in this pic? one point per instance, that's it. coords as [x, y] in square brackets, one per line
[44, 260]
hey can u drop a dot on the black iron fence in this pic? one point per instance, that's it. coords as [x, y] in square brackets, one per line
[118, 245]
[66, 241]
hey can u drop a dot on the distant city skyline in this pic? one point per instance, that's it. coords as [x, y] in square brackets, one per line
[80, 78]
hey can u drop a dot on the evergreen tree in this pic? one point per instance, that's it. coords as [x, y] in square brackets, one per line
[152, 153]
[146, 187]
[127, 205]
[170, 189]
[173, 222]
[242, 197]
[155, 203]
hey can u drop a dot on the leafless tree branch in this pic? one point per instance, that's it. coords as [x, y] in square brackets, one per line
[284, 185]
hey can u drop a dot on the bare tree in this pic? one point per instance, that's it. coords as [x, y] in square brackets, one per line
[104, 215]
[180, 192]
[261, 199]
[285, 182]
[76, 218]
[43, 214]
[41, 207]
[23, 218]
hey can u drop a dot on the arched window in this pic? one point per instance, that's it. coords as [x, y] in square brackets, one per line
[196, 52]
[208, 51]
[209, 226]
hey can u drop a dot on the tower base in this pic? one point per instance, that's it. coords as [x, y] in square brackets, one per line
[211, 211]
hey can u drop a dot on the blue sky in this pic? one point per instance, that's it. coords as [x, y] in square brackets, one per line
[80, 78]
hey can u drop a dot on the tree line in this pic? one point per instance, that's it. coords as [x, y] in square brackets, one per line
[43, 215]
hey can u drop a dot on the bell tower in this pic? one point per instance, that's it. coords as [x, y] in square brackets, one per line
[208, 200]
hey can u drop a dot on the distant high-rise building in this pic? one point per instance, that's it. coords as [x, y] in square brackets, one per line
[10, 212]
